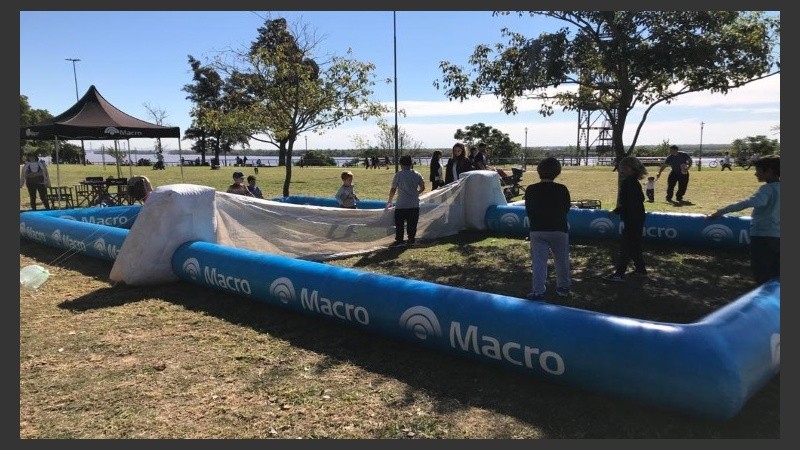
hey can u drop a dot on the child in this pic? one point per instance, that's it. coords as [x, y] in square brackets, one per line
[346, 195]
[631, 210]
[407, 184]
[650, 189]
[547, 204]
[238, 186]
[251, 186]
[765, 224]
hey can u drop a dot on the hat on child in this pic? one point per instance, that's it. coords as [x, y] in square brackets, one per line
[238, 175]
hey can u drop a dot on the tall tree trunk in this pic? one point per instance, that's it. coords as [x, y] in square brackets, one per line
[288, 179]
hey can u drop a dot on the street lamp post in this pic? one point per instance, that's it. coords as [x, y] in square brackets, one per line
[525, 153]
[701, 147]
[75, 75]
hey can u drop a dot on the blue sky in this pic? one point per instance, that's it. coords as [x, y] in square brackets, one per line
[140, 57]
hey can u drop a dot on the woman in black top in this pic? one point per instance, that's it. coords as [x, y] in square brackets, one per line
[457, 164]
[437, 171]
[631, 211]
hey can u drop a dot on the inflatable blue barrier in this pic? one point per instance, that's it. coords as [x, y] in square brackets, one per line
[78, 231]
[332, 202]
[682, 229]
[709, 368]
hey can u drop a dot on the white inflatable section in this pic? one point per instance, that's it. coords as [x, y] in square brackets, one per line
[172, 215]
[482, 191]
[175, 214]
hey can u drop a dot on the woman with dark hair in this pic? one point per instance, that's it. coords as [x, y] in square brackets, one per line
[437, 171]
[457, 164]
[630, 209]
[34, 176]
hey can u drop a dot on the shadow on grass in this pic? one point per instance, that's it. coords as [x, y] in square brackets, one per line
[458, 384]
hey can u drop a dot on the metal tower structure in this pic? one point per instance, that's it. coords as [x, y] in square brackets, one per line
[594, 132]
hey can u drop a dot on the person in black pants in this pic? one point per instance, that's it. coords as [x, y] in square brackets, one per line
[679, 163]
[631, 211]
[35, 177]
[437, 170]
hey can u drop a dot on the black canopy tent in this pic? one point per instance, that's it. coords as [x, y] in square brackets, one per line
[94, 118]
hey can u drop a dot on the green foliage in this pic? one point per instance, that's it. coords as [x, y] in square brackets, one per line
[30, 116]
[754, 145]
[498, 143]
[619, 60]
[316, 158]
[276, 90]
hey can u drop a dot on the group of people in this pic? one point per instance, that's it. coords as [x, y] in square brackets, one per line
[239, 187]
[460, 161]
[35, 177]
[547, 204]
[407, 185]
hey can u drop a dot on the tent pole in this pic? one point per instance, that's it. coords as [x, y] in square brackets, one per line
[58, 165]
[130, 166]
[180, 155]
[116, 156]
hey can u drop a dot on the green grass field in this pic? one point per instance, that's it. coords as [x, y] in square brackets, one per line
[105, 360]
[708, 188]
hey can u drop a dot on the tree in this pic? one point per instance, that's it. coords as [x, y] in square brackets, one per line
[499, 144]
[619, 60]
[276, 90]
[210, 100]
[406, 144]
[30, 116]
[754, 145]
[159, 115]
[316, 158]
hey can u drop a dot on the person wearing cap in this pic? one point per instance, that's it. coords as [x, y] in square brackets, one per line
[238, 186]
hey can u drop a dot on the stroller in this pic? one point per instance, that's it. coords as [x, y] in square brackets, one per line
[511, 184]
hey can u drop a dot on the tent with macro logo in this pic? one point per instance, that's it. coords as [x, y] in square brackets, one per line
[94, 118]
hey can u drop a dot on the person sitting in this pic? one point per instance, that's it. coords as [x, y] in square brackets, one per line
[238, 186]
[139, 188]
[251, 186]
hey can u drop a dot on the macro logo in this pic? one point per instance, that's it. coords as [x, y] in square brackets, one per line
[421, 321]
[191, 267]
[717, 232]
[283, 288]
[113, 131]
[31, 133]
[100, 245]
[106, 249]
[775, 345]
[67, 217]
[601, 225]
[509, 220]
[32, 234]
[68, 241]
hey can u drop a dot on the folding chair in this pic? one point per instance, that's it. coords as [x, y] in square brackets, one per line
[85, 195]
[60, 197]
[117, 189]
